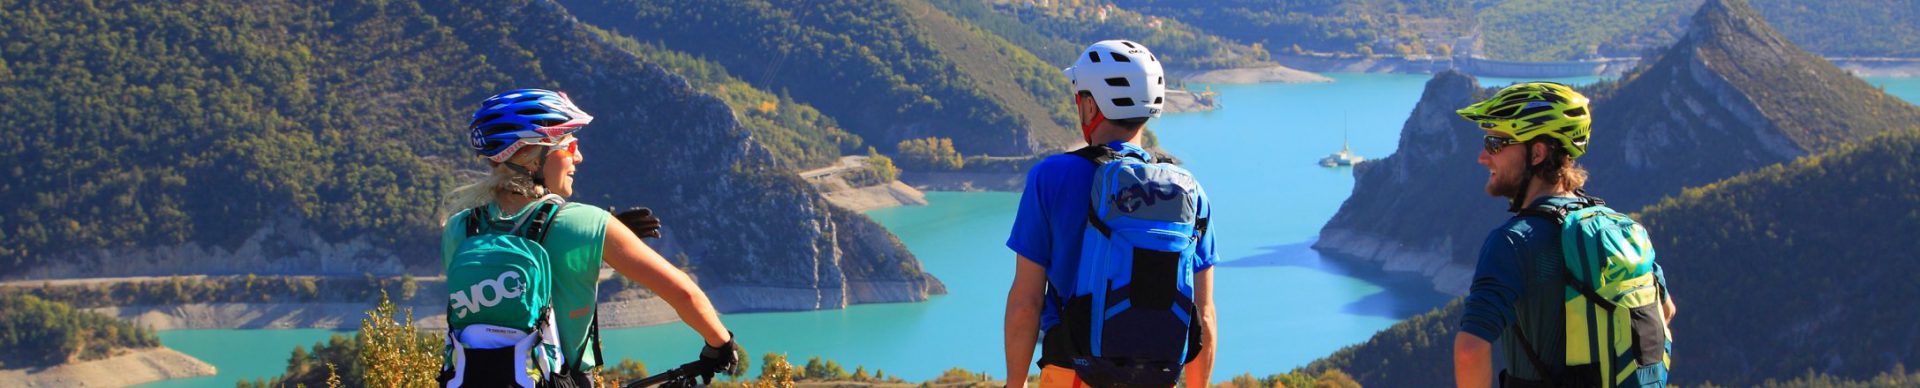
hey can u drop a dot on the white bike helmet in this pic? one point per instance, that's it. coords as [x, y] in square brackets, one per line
[1125, 79]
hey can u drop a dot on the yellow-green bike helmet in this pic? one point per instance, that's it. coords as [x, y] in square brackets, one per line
[1533, 109]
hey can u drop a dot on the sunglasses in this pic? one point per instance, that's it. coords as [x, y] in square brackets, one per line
[1493, 143]
[570, 145]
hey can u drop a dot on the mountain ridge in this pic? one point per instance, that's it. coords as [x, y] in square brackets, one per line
[306, 157]
[1692, 117]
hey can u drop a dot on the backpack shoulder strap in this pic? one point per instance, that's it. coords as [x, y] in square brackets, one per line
[536, 225]
[1098, 154]
[476, 219]
[1533, 356]
[540, 222]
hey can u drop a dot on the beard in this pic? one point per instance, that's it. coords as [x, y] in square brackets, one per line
[1503, 185]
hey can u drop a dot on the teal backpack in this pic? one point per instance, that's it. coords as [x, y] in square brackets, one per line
[1613, 298]
[499, 306]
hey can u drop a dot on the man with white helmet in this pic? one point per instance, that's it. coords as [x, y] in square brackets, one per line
[1115, 286]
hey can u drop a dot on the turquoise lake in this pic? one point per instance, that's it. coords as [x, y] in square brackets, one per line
[1280, 304]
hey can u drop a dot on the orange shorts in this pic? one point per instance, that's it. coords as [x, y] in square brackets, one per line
[1058, 377]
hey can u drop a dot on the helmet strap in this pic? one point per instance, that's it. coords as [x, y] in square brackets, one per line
[1518, 199]
[539, 165]
[1087, 127]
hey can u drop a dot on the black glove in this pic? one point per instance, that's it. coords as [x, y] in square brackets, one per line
[717, 360]
[641, 220]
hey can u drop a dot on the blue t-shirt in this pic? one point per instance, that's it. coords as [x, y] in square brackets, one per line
[1053, 217]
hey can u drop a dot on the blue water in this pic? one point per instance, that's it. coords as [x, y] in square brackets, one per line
[1907, 88]
[1281, 305]
[238, 354]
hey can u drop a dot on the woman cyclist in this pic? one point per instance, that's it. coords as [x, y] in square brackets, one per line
[527, 139]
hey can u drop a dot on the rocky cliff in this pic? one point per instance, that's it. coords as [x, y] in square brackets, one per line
[1730, 97]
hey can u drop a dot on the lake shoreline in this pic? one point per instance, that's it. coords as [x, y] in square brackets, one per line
[132, 368]
[1858, 66]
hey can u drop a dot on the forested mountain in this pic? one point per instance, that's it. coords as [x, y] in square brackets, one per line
[886, 70]
[1793, 269]
[1533, 30]
[1557, 30]
[1319, 25]
[1837, 227]
[1730, 97]
[1056, 34]
[1542, 30]
[799, 136]
[317, 137]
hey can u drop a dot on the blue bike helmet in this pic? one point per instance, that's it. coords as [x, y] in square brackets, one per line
[517, 118]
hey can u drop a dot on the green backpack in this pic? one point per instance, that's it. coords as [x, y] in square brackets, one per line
[1613, 298]
[499, 305]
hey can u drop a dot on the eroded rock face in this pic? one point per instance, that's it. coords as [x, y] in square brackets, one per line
[1730, 97]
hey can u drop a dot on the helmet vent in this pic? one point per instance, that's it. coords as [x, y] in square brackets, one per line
[1160, 80]
[1119, 58]
[1129, 44]
[1156, 100]
[486, 119]
[530, 111]
[1093, 56]
[1123, 101]
[548, 122]
[1118, 81]
[1577, 112]
[525, 99]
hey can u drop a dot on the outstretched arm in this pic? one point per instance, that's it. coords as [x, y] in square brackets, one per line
[1024, 301]
[637, 261]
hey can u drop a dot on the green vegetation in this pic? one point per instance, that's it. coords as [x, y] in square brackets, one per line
[1530, 30]
[38, 332]
[224, 289]
[388, 351]
[1414, 352]
[1057, 34]
[1845, 247]
[1327, 379]
[201, 123]
[881, 68]
[1802, 104]
[1541, 31]
[1871, 28]
[1327, 26]
[878, 169]
[196, 131]
[1523, 30]
[799, 135]
[930, 154]
[1898, 377]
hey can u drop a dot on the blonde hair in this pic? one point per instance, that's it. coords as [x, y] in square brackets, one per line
[499, 183]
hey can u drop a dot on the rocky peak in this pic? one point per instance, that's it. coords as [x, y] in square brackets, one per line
[1730, 97]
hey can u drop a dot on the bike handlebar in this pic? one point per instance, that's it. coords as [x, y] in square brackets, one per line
[682, 376]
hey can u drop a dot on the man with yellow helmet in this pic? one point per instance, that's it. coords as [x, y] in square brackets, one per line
[1525, 294]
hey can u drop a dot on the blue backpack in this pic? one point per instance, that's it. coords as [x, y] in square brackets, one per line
[1131, 316]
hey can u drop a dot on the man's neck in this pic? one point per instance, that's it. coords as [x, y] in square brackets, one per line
[1104, 136]
[1541, 189]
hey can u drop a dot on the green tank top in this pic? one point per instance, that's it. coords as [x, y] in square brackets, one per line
[575, 240]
